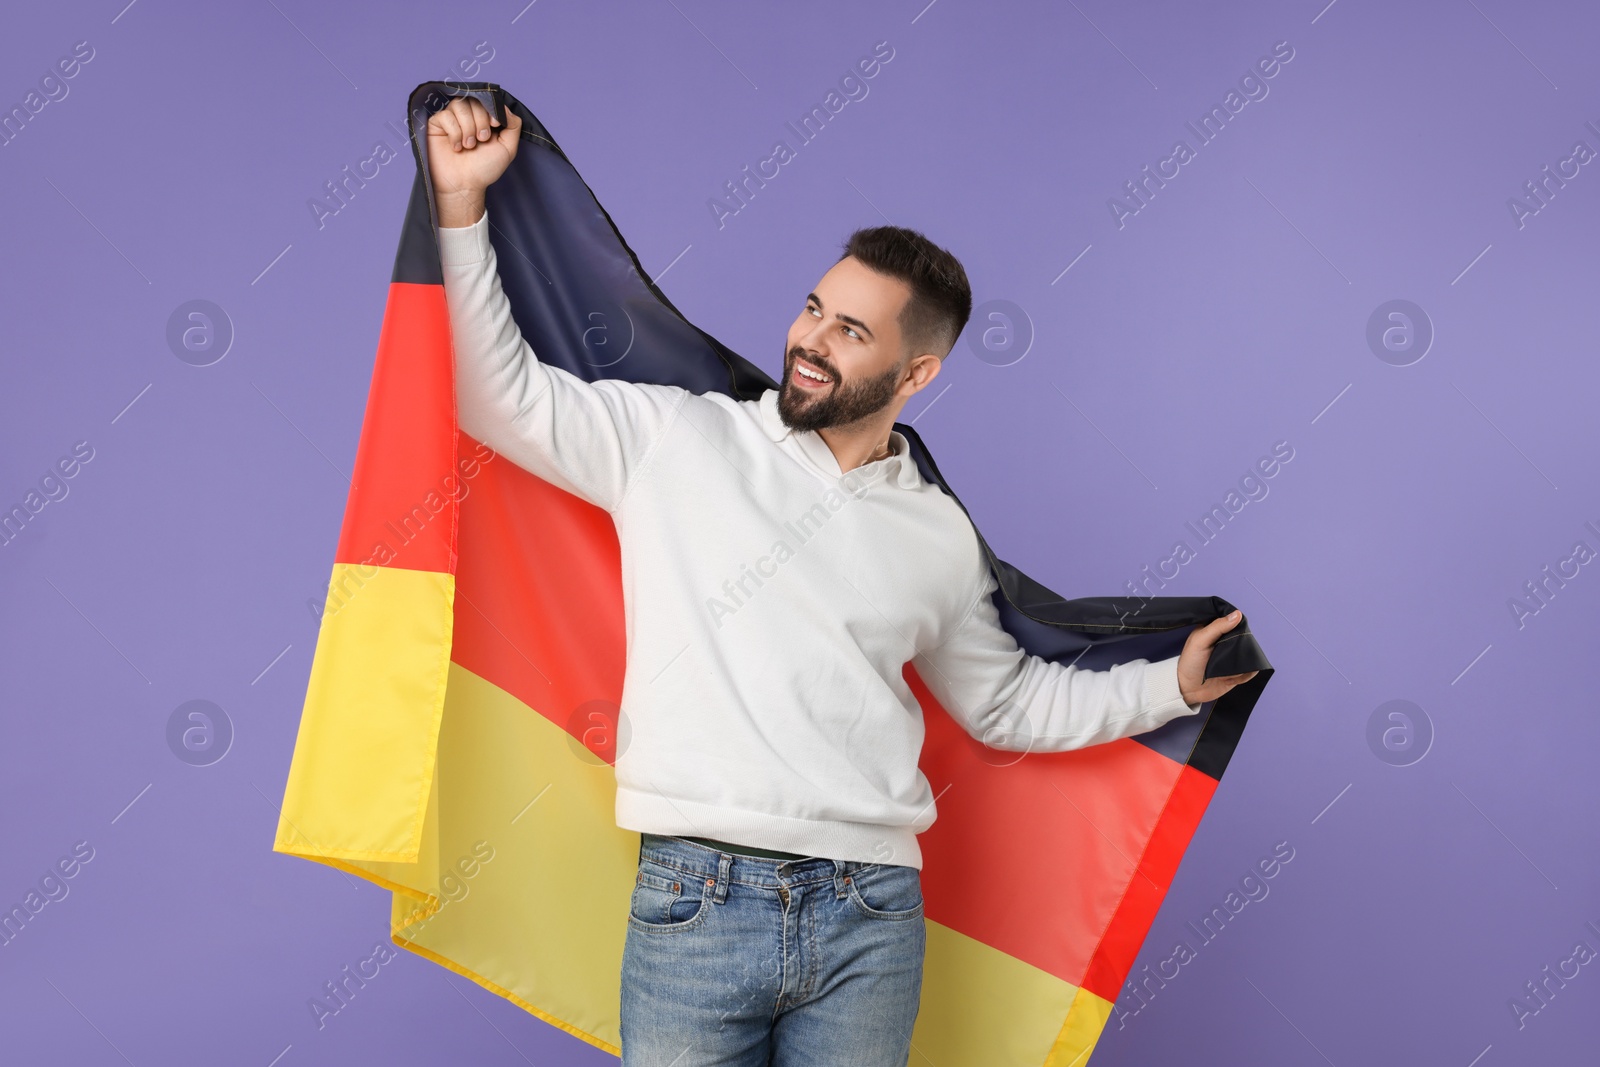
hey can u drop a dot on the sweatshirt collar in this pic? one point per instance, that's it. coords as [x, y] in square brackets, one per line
[898, 463]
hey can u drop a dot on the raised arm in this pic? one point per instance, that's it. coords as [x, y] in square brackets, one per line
[588, 438]
[1010, 699]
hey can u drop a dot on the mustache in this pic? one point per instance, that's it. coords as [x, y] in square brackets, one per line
[798, 353]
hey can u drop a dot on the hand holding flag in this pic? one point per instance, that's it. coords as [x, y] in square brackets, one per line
[1192, 680]
[466, 154]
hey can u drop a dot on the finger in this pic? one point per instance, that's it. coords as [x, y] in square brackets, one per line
[1206, 636]
[480, 119]
[473, 117]
[448, 125]
[461, 108]
[509, 133]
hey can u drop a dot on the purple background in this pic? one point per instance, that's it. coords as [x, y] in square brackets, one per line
[1228, 314]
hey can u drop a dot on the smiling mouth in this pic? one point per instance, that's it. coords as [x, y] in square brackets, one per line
[803, 376]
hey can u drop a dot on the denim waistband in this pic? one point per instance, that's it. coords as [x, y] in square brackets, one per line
[743, 850]
[704, 863]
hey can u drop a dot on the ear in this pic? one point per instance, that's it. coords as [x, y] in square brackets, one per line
[924, 369]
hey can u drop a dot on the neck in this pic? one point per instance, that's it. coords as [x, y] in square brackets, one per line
[855, 447]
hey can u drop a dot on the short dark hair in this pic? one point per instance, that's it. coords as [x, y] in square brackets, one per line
[941, 299]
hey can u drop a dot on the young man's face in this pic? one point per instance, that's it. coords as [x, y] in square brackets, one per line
[849, 332]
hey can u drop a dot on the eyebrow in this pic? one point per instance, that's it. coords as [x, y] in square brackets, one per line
[842, 317]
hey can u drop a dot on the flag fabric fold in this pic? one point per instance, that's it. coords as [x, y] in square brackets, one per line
[461, 716]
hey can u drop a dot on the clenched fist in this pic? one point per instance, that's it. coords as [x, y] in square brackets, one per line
[467, 153]
[1192, 682]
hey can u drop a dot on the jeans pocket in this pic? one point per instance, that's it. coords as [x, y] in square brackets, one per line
[665, 899]
[887, 891]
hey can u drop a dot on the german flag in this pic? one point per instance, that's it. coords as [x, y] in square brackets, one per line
[461, 717]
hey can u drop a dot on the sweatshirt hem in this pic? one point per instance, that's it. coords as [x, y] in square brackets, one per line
[829, 838]
[462, 246]
[1163, 696]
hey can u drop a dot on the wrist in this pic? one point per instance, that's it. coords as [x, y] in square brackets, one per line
[463, 208]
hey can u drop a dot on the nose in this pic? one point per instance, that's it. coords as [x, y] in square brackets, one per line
[814, 340]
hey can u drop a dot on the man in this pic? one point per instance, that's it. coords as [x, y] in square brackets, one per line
[782, 560]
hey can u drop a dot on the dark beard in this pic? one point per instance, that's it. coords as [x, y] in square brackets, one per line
[840, 404]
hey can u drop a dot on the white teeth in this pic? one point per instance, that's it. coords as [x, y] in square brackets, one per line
[813, 377]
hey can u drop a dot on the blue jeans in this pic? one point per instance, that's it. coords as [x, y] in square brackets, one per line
[742, 961]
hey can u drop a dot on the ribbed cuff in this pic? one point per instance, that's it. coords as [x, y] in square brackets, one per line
[460, 246]
[1162, 694]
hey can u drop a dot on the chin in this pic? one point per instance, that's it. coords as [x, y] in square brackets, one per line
[794, 411]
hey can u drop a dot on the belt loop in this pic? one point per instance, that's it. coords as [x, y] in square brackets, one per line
[842, 869]
[724, 862]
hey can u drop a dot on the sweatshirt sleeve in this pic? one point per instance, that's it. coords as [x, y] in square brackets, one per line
[1010, 699]
[588, 438]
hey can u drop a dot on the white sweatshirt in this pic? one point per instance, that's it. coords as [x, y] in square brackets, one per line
[771, 603]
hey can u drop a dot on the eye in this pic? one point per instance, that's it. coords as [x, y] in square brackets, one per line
[811, 309]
